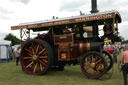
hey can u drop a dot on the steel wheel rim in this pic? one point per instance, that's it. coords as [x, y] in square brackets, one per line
[108, 59]
[93, 65]
[34, 58]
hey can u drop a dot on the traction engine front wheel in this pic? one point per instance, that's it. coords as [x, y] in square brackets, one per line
[36, 57]
[93, 65]
[109, 60]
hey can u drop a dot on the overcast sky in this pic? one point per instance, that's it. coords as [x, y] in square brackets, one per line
[14, 12]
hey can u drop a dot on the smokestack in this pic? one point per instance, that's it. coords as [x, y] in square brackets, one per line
[94, 6]
[94, 23]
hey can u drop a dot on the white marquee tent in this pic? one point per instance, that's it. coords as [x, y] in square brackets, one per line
[5, 50]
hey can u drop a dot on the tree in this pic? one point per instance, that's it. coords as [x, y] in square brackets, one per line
[12, 38]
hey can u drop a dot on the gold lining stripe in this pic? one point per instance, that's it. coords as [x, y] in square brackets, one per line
[81, 48]
[88, 46]
[113, 25]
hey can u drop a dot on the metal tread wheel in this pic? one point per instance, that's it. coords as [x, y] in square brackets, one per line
[93, 65]
[109, 60]
[36, 57]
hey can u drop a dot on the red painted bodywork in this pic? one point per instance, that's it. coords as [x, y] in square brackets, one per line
[109, 50]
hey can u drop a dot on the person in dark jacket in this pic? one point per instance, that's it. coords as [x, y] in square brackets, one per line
[108, 33]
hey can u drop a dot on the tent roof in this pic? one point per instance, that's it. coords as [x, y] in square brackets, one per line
[5, 42]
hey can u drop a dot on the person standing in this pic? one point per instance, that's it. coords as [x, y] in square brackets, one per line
[17, 54]
[124, 60]
[115, 53]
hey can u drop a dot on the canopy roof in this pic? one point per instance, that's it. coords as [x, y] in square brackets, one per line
[5, 42]
[44, 25]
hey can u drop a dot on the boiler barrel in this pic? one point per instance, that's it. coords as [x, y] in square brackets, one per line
[95, 46]
[89, 46]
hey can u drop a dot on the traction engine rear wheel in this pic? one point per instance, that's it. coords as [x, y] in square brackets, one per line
[36, 57]
[93, 65]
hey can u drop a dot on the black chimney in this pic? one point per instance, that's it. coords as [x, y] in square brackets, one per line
[94, 6]
[94, 23]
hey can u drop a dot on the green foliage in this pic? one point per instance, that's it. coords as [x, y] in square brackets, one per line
[12, 38]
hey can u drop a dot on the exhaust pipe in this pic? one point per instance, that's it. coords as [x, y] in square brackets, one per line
[94, 6]
[94, 23]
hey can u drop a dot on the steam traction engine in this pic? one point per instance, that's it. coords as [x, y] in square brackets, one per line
[72, 40]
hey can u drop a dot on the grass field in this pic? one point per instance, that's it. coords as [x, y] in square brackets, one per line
[10, 74]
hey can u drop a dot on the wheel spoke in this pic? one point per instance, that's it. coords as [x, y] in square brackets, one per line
[44, 53]
[107, 58]
[96, 58]
[29, 52]
[41, 51]
[98, 61]
[35, 68]
[100, 67]
[87, 67]
[41, 67]
[33, 46]
[33, 51]
[42, 63]
[45, 61]
[37, 48]
[27, 57]
[29, 64]
[91, 71]
[43, 57]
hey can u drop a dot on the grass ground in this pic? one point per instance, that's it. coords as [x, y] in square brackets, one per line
[10, 74]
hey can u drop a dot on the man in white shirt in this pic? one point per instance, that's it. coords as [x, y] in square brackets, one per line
[17, 54]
